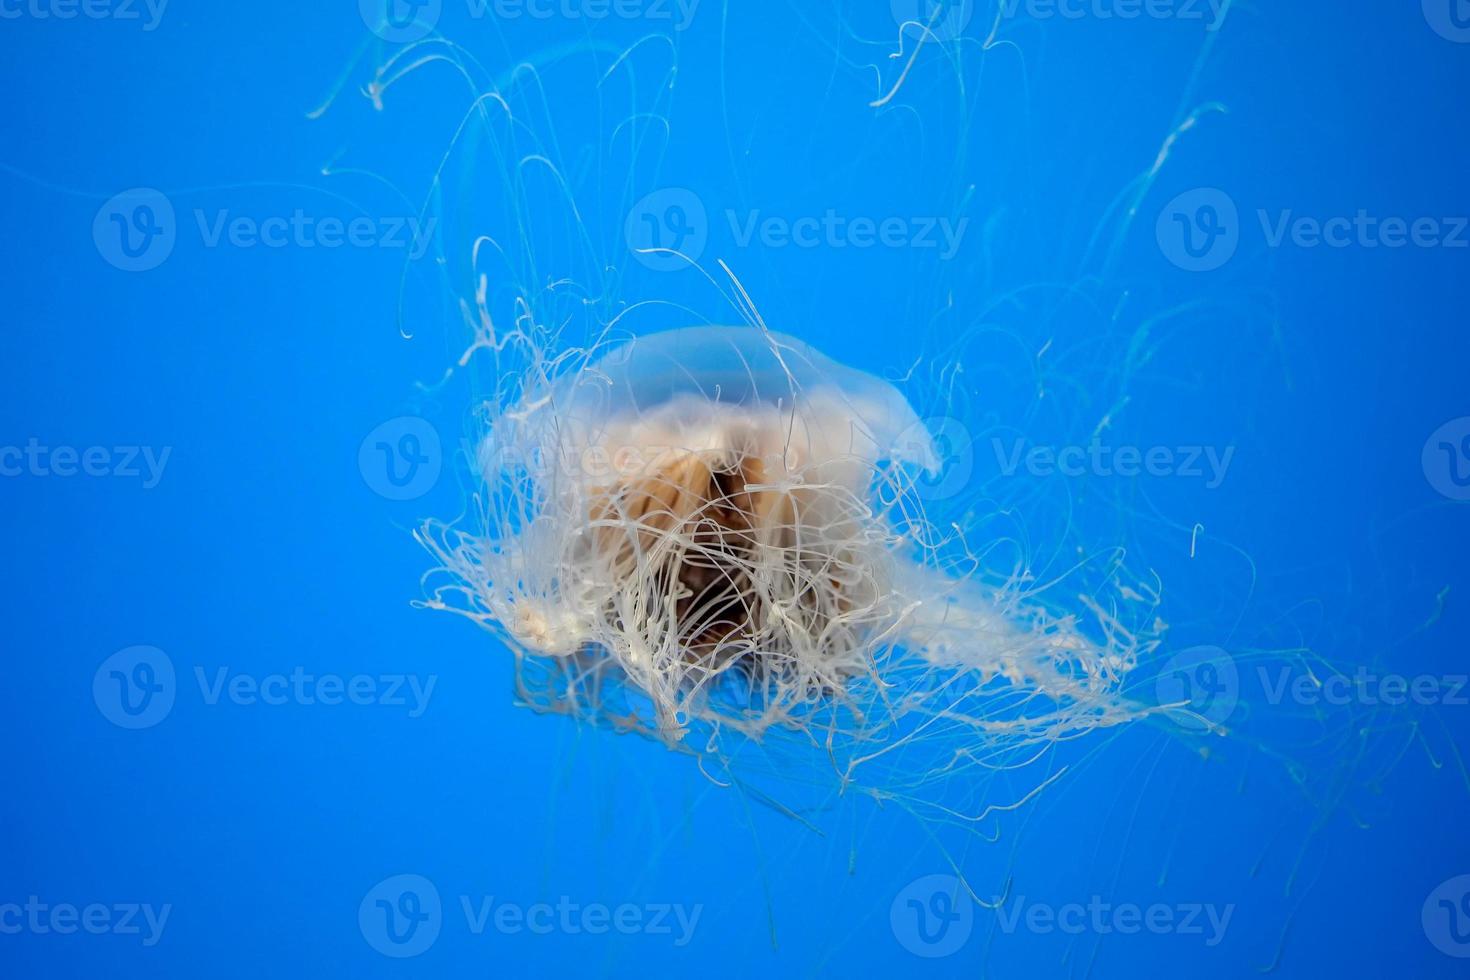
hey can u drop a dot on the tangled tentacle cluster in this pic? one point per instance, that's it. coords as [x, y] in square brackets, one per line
[730, 539]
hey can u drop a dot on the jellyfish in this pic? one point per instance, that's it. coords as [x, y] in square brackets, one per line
[720, 529]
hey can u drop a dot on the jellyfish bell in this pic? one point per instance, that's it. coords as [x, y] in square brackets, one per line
[694, 381]
[709, 484]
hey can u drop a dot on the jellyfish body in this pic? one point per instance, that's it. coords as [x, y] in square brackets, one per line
[723, 524]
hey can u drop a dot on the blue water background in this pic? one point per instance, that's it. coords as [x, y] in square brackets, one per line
[263, 548]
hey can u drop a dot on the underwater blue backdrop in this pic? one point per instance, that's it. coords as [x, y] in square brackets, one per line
[1227, 231]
